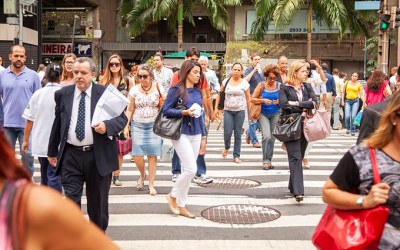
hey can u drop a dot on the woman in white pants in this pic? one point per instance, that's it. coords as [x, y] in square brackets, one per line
[187, 93]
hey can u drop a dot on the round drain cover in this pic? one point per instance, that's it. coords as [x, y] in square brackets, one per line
[231, 183]
[240, 214]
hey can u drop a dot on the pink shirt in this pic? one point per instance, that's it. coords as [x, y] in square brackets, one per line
[375, 97]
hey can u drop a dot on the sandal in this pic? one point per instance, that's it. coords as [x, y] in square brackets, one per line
[153, 191]
[140, 183]
[224, 153]
[237, 160]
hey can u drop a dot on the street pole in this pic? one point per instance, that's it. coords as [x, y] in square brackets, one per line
[73, 33]
[385, 42]
[365, 56]
[398, 45]
[21, 23]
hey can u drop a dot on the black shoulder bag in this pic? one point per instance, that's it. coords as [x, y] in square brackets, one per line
[169, 128]
[222, 96]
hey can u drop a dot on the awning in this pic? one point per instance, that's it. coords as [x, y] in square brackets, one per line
[182, 54]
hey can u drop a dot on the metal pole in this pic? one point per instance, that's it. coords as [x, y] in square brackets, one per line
[385, 43]
[365, 56]
[398, 45]
[73, 33]
[21, 24]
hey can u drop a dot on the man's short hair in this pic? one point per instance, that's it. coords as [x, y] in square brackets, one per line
[324, 66]
[281, 57]
[335, 71]
[192, 51]
[159, 55]
[88, 60]
[254, 55]
[15, 46]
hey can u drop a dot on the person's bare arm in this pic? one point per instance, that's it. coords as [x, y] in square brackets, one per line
[57, 223]
[27, 133]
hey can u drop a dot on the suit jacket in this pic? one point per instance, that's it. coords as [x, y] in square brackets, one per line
[370, 119]
[105, 150]
[288, 93]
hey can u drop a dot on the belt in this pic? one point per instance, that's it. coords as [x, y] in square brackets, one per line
[86, 148]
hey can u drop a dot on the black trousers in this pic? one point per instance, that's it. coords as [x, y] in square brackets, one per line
[295, 150]
[79, 167]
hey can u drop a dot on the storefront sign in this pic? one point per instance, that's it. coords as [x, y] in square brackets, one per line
[83, 49]
[56, 48]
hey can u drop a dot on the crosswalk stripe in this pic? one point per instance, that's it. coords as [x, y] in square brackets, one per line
[133, 211]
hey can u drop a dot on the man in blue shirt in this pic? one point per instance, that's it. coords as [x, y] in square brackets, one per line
[254, 76]
[330, 88]
[17, 85]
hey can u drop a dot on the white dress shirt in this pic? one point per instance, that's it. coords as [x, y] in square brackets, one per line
[163, 77]
[71, 139]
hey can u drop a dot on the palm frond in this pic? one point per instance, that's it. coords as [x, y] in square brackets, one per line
[125, 6]
[264, 11]
[333, 12]
[284, 11]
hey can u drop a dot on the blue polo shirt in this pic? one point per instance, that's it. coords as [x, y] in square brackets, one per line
[254, 80]
[15, 92]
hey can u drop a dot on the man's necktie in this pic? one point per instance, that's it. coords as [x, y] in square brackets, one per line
[80, 123]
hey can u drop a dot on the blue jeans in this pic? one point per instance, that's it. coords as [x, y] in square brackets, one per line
[201, 165]
[268, 124]
[350, 110]
[233, 122]
[48, 174]
[14, 134]
[251, 131]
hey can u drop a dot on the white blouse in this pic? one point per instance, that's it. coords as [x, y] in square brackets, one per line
[146, 105]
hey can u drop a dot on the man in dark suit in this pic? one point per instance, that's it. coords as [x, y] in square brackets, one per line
[82, 153]
[372, 114]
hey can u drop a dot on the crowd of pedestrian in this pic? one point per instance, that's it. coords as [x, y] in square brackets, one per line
[54, 123]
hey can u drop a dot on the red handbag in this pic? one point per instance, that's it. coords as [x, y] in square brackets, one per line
[352, 229]
[124, 146]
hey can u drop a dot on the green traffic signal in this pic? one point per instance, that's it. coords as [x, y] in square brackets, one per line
[384, 26]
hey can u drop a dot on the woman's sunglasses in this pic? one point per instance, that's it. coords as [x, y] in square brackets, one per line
[115, 64]
[143, 76]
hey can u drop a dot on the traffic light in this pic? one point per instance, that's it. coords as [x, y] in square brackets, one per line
[385, 22]
[396, 23]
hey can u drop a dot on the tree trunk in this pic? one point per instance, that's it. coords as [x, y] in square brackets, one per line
[180, 26]
[309, 30]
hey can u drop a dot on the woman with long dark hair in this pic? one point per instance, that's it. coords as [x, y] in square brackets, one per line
[377, 88]
[186, 93]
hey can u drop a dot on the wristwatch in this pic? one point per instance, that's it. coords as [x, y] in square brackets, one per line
[360, 201]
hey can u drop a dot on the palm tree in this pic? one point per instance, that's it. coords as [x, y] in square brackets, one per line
[139, 14]
[335, 13]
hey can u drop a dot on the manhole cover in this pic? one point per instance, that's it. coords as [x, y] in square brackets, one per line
[240, 214]
[231, 183]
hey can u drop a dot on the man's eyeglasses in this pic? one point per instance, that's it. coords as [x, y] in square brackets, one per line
[115, 64]
[143, 76]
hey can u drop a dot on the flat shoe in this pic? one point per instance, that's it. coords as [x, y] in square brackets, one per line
[174, 209]
[256, 145]
[237, 160]
[268, 167]
[299, 198]
[188, 215]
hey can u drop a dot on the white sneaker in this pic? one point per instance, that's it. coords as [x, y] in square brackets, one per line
[175, 177]
[203, 179]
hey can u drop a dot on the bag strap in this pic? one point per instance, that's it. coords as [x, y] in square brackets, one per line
[19, 222]
[377, 177]
[158, 89]
[226, 83]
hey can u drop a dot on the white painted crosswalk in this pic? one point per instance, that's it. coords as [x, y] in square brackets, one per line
[138, 220]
